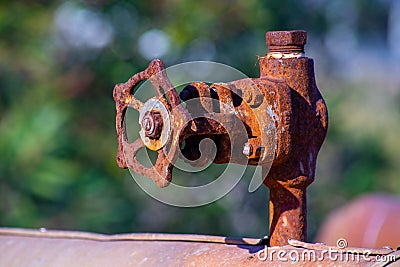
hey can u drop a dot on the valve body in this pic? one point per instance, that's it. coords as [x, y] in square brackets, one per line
[278, 121]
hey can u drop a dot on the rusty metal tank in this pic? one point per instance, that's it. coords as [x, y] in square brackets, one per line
[41, 247]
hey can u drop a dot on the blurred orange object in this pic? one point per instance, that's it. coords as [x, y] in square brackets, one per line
[371, 221]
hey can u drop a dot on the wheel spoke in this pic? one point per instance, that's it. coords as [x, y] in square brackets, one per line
[134, 103]
[131, 149]
[161, 83]
[160, 173]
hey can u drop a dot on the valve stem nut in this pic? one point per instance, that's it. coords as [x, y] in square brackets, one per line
[152, 124]
[286, 41]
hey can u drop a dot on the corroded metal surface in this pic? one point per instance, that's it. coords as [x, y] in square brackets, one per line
[278, 118]
[152, 124]
[23, 247]
[289, 178]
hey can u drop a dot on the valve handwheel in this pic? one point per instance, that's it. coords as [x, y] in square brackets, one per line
[161, 122]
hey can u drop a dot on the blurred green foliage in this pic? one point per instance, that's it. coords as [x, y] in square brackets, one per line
[57, 135]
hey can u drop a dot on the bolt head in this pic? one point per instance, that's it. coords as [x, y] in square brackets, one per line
[247, 149]
[286, 38]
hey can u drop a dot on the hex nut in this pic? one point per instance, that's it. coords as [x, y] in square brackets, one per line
[152, 124]
[247, 149]
[284, 38]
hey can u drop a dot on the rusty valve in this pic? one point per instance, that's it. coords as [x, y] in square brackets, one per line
[282, 113]
[155, 120]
